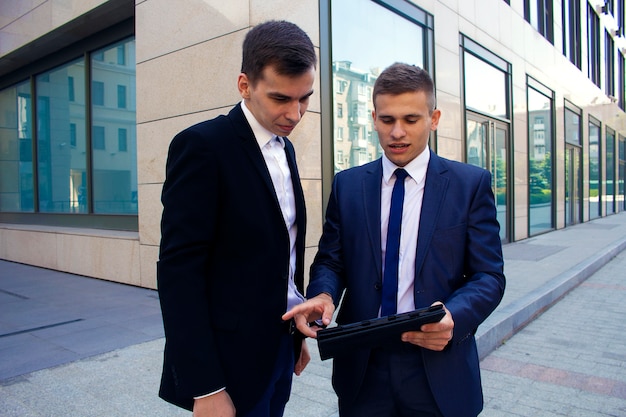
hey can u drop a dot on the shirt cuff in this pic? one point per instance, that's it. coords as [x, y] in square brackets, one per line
[209, 394]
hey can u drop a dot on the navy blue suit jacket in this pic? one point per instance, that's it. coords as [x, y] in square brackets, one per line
[223, 263]
[458, 261]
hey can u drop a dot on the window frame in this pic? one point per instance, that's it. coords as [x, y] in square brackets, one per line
[110, 35]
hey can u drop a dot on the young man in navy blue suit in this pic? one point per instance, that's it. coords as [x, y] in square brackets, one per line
[449, 252]
[232, 246]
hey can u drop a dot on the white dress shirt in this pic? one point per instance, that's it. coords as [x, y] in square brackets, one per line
[273, 150]
[411, 209]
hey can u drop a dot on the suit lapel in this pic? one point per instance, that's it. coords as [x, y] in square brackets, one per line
[251, 147]
[371, 203]
[434, 193]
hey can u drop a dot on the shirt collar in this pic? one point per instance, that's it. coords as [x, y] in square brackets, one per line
[261, 134]
[416, 168]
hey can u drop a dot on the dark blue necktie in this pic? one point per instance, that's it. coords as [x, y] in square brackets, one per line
[392, 254]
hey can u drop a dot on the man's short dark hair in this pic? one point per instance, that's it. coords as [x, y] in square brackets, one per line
[401, 78]
[280, 44]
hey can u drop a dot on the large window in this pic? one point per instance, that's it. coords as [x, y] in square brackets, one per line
[114, 169]
[573, 165]
[367, 36]
[622, 174]
[595, 169]
[571, 31]
[486, 92]
[609, 46]
[540, 14]
[593, 45]
[540, 158]
[84, 143]
[16, 150]
[609, 195]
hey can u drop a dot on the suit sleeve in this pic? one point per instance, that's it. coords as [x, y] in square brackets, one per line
[484, 280]
[327, 271]
[187, 231]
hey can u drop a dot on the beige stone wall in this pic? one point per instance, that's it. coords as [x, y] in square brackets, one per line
[188, 60]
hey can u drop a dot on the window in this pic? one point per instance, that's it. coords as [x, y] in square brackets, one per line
[621, 65]
[362, 46]
[98, 139]
[540, 157]
[609, 186]
[621, 150]
[573, 165]
[595, 169]
[16, 150]
[609, 46]
[539, 13]
[593, 36]
[121, 96]
[72, 172]
[71, 93]
[122, 140]
[115, 174]
[486, 92]
[571, 31]
[61, 166]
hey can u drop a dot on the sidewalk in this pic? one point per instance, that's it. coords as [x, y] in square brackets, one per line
[74, 346]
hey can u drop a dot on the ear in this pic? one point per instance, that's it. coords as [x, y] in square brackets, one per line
[374, 120]
[434, 119]
[243, 85]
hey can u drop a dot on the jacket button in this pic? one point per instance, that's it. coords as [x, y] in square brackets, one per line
[378, 286]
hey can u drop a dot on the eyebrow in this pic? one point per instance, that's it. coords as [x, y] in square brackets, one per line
[283, 96]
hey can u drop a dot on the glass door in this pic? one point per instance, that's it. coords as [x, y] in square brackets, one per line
[573, 186]
[487, 147]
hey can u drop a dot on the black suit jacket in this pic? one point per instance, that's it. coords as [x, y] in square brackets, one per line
[223, 263]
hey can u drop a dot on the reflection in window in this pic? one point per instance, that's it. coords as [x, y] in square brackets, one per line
[61, 153]
[16, 149]
[609, 59]
[485, 87]
[114, 170]
[595, 209]
[366, 38]
[609, 195]
[593, 38]
[539, 13]
[621, 150]
[572, 31]
[540, 161]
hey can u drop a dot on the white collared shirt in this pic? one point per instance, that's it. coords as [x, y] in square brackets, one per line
[273, 150]
[411, 209]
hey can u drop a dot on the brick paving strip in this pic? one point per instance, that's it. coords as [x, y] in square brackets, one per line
[590, 383]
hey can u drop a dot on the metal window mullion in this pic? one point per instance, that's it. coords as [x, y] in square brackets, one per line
[35, 143]
[88, 135]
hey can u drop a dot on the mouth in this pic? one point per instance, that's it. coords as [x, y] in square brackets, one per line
[398, 146]
[286, 128]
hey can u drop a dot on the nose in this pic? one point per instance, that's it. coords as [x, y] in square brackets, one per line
[397, 131]
[294, 111]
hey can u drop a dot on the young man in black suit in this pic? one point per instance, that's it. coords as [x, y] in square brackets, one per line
[232, 247]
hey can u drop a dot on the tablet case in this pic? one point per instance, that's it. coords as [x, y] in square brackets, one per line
[375, 332]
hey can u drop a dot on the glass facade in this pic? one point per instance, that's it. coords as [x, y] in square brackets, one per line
[85, 150]
[595, 170]
[61, 139]
[16, 149]
[609, 185]
[540, 159]
[367, 37]
[573, 166]
[487, 129]
[114, 150]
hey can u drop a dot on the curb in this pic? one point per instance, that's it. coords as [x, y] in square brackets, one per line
[522, 311]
